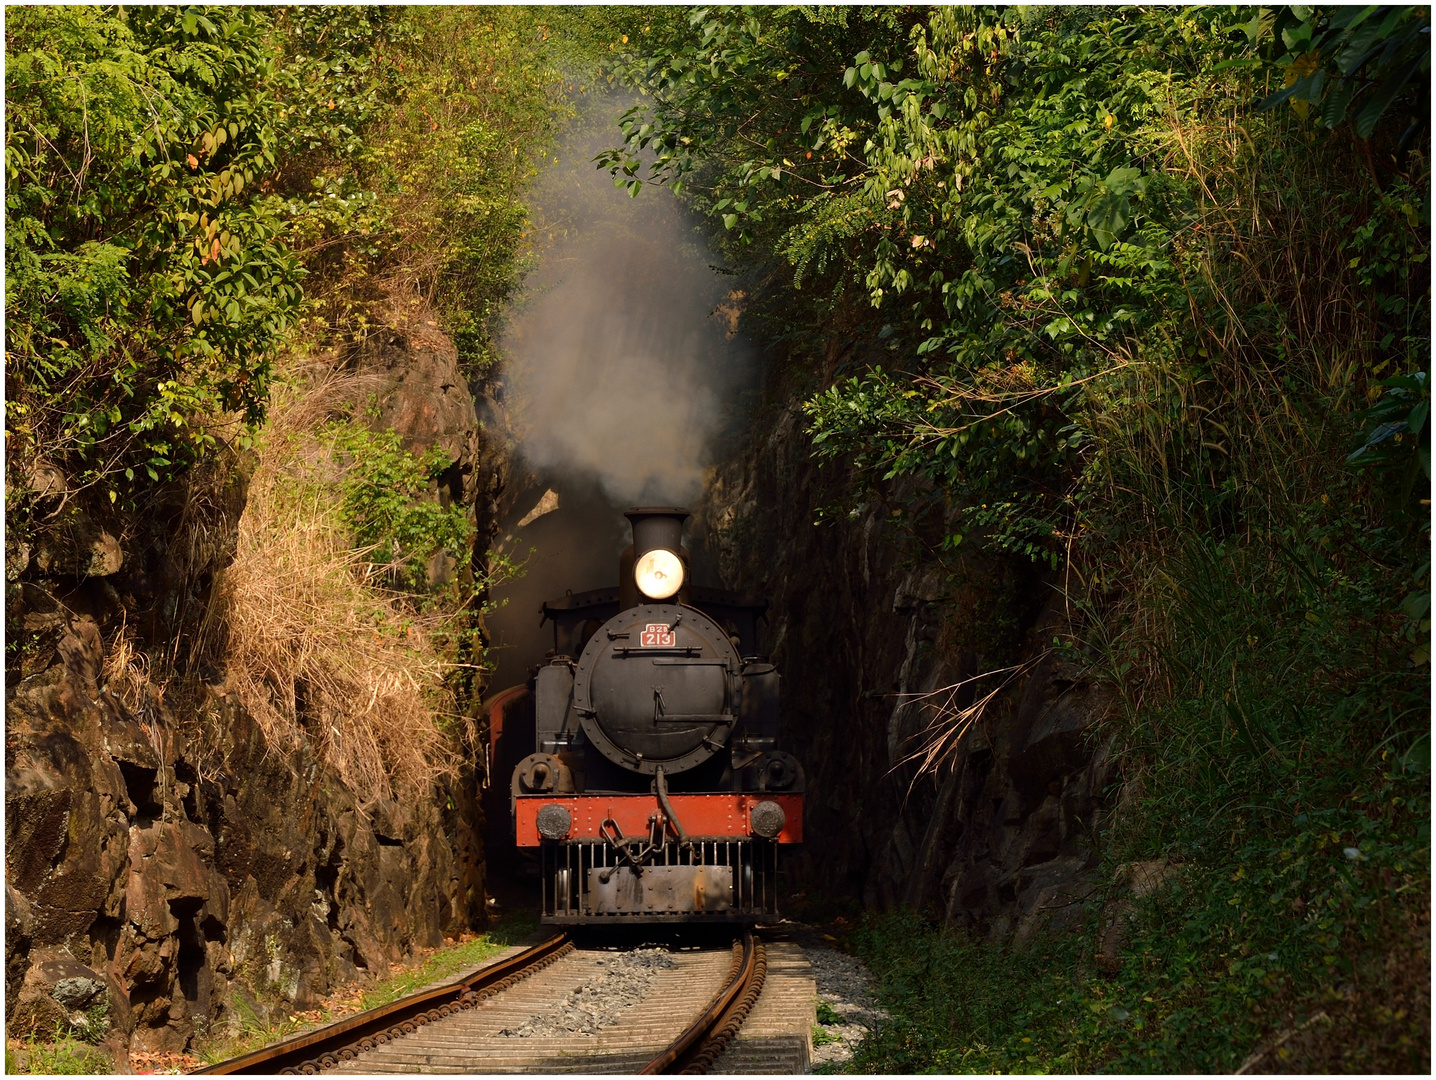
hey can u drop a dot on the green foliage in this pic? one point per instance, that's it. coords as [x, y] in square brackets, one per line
[148, 284]
[173, 174]
[955, 1000]
[1296, 794]
[1027, 200]
[1212, 959]
[414, 133]
[1114, 313]
[387, 500]
[443, 964]
[96, 1023]
[1395, 435]
[61, 1057]
[707, 80]
[1361, 60]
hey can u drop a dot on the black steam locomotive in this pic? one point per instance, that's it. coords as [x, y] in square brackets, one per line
[643, 754]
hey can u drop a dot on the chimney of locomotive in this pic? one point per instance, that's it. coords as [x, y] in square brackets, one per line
[655, 528]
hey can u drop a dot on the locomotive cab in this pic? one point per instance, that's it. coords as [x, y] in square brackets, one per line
[652, 782]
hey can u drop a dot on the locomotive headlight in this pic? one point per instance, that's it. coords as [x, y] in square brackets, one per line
[659, 574]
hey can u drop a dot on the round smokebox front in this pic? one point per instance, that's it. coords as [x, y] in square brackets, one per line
[658, 685]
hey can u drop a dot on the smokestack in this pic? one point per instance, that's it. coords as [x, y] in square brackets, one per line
[624, 375]
[656, 527]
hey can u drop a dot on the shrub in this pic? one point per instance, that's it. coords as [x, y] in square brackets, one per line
[148, 284]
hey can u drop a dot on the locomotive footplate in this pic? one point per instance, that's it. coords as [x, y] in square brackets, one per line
[725, 814]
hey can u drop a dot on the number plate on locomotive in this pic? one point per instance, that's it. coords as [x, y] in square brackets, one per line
[656, 635]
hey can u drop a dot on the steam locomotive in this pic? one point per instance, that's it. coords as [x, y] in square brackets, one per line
[643, 754]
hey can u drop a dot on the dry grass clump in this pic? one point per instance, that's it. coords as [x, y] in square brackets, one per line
[316, 650]
[127, 673]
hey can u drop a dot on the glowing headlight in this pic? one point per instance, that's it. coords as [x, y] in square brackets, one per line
[659, 574]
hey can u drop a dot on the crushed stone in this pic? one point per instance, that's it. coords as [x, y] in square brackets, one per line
[621, 983]
[844, 985]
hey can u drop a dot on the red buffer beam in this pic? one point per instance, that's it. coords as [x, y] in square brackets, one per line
[718, 815]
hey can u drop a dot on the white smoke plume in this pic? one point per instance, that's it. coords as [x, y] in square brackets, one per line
[620, 365]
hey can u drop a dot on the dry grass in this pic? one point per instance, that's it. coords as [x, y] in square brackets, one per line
[127, 673]
[315, 649]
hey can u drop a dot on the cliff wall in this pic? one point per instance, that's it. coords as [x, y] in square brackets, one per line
[877, 642]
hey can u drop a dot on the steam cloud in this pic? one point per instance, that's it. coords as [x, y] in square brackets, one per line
[621, 367]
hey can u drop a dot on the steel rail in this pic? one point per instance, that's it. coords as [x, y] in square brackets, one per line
[340, 1041]
[698, 1047]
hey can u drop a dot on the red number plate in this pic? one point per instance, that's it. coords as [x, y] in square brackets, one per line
[656, 635]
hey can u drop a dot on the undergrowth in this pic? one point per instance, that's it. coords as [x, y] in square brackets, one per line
[62, 1057]
[1147, 308]
[1276, 760]
[1308, 950]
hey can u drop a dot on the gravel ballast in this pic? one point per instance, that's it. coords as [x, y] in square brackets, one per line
[844, 986]
[621, 982]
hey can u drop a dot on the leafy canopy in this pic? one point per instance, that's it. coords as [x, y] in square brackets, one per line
[149, 281]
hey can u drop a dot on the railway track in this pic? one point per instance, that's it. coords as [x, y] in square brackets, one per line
[480, 1023]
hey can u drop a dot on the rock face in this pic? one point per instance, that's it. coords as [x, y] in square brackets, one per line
[182, 897]
[422, 394]
[166, 870]
[871, 640]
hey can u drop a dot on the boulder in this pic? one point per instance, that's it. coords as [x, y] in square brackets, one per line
[56, 994]
[82, 651]
[422, 394]
[36, 1018]
[72, 984]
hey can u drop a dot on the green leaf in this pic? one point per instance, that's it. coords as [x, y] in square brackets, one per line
[1338, 97]
[1368, 115]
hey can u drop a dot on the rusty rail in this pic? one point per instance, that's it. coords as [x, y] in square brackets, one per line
[706, 1038]
[327, 1046]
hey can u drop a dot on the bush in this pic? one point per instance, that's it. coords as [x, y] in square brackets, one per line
[389, 506]
[148, 284]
